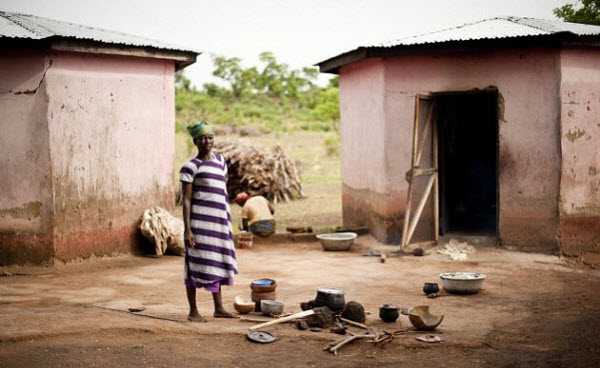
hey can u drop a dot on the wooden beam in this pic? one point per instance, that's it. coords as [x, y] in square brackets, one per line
[436, 187]
[424, 136]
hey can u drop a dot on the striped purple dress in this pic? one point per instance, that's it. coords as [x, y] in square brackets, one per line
[211, 262]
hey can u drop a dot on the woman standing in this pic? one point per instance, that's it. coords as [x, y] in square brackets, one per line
[210, 256]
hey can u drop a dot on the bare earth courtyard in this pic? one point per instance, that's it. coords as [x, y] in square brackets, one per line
[535, 311]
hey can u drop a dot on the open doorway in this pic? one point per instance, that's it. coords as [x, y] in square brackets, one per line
[468, 162]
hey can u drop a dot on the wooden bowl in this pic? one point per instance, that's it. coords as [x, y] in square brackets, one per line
[263, 288]
[420, 317]
[242, 306]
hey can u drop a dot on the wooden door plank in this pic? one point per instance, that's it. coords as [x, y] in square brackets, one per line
[419, 209]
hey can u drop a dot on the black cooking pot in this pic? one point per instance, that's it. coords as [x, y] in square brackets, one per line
[389, 312]
[332, 298]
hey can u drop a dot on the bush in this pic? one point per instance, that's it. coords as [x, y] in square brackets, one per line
[332, 145]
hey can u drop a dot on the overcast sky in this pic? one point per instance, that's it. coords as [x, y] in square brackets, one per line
[299, 33]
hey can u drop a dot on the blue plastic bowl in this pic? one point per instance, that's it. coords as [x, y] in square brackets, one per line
[261, 282]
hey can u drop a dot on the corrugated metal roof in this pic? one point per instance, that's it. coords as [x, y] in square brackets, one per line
[500, 27]
[16, 25]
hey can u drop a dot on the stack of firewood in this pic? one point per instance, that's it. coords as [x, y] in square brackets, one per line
[258, 171]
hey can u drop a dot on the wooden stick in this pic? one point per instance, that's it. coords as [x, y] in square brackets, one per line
[355, 324]
[284, 319]
[334, 349]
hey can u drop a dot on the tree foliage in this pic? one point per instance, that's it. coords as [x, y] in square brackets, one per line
[271, 96]
[585, 11]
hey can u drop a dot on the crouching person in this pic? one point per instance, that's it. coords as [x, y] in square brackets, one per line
[257, 214]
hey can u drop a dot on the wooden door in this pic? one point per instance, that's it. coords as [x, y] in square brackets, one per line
[424, 131]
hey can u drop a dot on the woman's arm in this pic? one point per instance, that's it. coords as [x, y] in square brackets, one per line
[188, 237]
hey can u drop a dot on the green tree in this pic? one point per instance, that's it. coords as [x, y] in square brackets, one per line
[588, 12]
[240, 80]
[182, 82]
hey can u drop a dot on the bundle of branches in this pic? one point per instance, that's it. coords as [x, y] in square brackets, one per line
[258, 171]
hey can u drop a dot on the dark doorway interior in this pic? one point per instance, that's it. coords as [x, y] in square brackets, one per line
[468, 162]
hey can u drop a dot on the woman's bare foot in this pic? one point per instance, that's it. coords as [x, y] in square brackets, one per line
[224, 314]
[196, 317]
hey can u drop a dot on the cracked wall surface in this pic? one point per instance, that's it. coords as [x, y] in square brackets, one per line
[89, 144]
[26, 183]
[580, 143]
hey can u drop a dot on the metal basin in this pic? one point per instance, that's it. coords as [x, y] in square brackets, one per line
[462, 282]
[336, 241]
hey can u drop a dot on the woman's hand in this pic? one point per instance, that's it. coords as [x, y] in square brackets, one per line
[188, 238]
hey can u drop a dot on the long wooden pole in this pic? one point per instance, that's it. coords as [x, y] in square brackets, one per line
[305, 313]
[436, 188]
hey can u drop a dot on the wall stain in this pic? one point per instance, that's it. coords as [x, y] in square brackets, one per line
[572, 136]
[593, 171]
[28, 210]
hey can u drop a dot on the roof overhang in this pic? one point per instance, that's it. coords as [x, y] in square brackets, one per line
[181, 58]
[334, 64]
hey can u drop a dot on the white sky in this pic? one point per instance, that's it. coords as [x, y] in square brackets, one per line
[299, 33]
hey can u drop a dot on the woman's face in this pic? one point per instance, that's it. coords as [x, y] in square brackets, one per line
[205, 143]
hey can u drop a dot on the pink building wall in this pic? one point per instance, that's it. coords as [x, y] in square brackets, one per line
[26, 185]
[528, 81]
[363, 131]
[580, 144]
[108, 127]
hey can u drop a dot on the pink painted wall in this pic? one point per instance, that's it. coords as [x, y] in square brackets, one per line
[25, 187]
[580, 143]
[528, 81]
[363, 132]
[111, 123]
[101, 134]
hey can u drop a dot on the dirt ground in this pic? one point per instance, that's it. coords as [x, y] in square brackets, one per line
[535, 311]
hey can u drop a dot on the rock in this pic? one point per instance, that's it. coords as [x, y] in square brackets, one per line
[354, 311]
[418, 252]
[322, 318]
[339, 329]
[301, 324]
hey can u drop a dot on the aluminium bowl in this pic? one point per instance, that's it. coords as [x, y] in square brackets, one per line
[336, 241]
[462, 282]
[270, 307]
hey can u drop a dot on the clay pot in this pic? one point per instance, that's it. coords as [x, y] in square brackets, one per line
[389, 313]
[271, 286]
[431, 287]
[257, 297]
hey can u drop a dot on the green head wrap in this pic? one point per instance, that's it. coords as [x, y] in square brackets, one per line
[200, 128]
